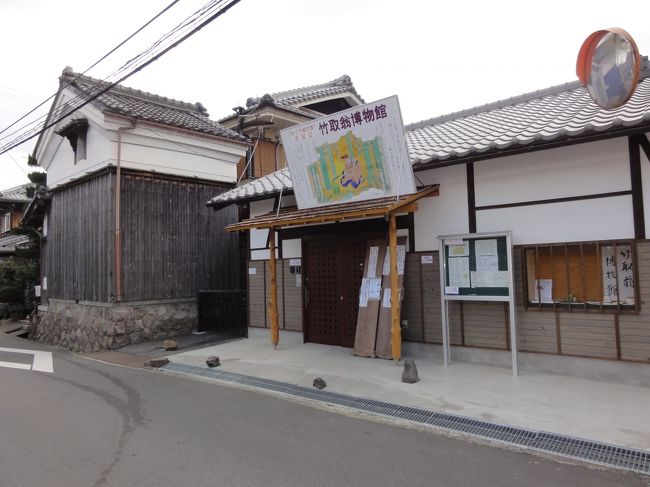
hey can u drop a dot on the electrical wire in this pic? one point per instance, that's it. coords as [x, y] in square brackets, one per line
[93, 65]
[102, 86]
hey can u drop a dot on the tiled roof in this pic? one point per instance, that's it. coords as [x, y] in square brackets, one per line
[316, 92]
[258, 188]
[554, 114]
[17, 194]
[292, 99]
[560, 112]
[9, 243]
[153, 108]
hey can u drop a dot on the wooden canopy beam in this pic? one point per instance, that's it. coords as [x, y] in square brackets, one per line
[336, 213]
[273, 304]
[395, 332]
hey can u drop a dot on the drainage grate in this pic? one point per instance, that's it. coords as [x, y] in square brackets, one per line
[589, 451]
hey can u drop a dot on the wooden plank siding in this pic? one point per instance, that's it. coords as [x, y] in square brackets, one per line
[79, 258]
[290, 304]
[172, 244]
[483, 324]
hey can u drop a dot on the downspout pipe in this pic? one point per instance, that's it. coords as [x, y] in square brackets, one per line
[117, 209]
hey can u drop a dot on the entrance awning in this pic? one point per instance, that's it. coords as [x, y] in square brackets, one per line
[335, 213]
[388, 207]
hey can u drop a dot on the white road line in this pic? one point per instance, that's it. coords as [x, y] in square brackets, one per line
[42, 360]
[14, 365]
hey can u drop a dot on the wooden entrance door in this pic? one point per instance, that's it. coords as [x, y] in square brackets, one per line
[333, 273]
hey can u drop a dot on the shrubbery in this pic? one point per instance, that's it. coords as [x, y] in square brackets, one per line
[17, 278]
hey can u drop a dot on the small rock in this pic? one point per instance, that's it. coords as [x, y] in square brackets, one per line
[213, 361]
[319, 383]
[156, 362]
[410, 374]
[170, 345]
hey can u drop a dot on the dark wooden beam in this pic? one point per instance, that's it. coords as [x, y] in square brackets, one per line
[471, 198]
[645, 145]
[636, 183]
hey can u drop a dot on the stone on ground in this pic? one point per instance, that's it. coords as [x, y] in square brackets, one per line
[213, 361]
[157, 362]
[319, 383]
[170, 345]
[410, 374]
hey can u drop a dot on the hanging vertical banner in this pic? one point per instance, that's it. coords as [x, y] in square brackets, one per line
[352, 155]
[618, 275]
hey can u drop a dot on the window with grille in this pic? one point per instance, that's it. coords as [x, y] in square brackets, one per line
[5, 223]
[585, 275]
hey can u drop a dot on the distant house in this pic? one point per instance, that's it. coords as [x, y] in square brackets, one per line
[12, 205]
[571, 182]
[127, 241]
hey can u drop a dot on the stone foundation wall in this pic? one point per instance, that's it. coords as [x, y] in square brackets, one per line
[94, 327]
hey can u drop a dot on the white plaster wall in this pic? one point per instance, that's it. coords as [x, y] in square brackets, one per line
[444, 214]
[169, 152]
[258, 238]
[596, 167]
[57, 156]
[146, 147]
[597, 219]
[292, 249]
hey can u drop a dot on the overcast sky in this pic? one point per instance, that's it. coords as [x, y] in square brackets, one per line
[438, 57]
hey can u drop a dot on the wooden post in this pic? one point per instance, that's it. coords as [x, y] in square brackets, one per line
[395, 333]
[273, 304]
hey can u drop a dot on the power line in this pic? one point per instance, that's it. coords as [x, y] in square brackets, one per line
[70, 105]
[15, 161]
[93, 65]
[103, 86]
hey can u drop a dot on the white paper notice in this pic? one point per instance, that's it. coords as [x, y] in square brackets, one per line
[298, 280]
[487, 263]
[386, 300]
[544, 290]
[363, 293]
[374, 288]
[252, 271]
[451, 289]
[426, 259]
[490, 279]
[485, 247]
[459, 271]
[458, 250]
[294, 262]
[401, 257]
[372, 262]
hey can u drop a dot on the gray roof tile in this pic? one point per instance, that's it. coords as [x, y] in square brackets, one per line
[291, 100]
[153, 108]
[9, 243]
[548, 115]
[16, 194]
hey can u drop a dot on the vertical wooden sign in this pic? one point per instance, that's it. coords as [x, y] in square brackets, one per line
[369, 299]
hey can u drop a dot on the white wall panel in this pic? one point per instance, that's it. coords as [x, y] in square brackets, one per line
[595, 219]
[292, 249]
[444, 214]
[596, 167]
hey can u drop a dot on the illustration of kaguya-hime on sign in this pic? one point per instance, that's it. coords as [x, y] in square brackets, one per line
[348, 167]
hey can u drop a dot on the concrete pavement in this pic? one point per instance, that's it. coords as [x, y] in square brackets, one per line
[599, 410]
[95, 424]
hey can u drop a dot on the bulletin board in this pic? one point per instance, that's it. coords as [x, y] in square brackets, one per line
[476, 266]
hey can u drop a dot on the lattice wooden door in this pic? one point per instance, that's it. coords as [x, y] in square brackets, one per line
[333, 272]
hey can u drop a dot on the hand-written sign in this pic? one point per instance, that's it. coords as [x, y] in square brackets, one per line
[353, 155]
[618, 274]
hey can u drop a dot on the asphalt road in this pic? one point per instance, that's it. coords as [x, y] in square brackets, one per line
[95, 424]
